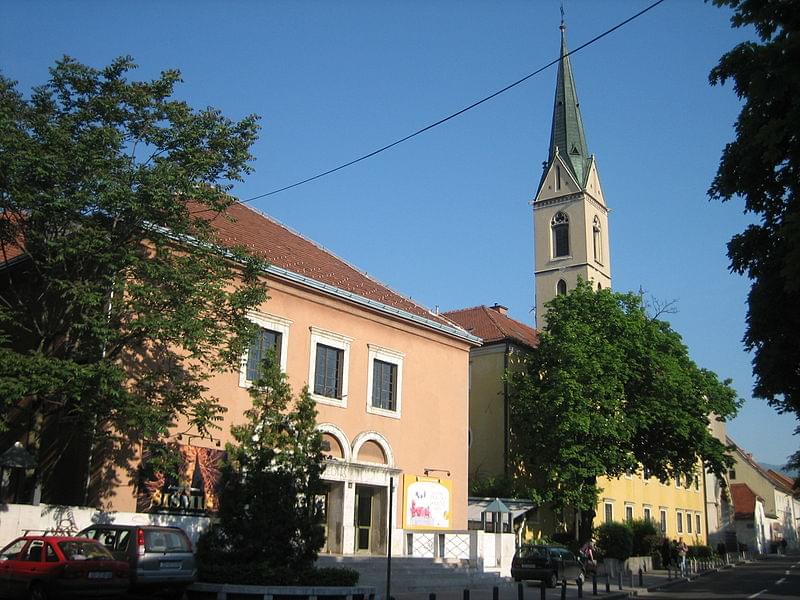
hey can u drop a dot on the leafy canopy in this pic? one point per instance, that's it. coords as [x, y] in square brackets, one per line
[607, 390]
[762, 166]
[115, 302]
[268, 497]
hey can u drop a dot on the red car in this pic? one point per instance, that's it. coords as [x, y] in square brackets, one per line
[47, 566]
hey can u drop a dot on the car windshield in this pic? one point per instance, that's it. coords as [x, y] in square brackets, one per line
[533, 552]
[75, 550]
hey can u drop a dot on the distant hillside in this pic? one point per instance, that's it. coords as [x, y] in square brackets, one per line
[780, 469]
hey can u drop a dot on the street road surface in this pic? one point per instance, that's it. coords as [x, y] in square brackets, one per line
[771, 579]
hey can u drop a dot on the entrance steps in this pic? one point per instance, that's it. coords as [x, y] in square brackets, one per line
[415, 574]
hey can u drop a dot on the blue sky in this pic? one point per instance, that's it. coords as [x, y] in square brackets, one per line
[444, 218]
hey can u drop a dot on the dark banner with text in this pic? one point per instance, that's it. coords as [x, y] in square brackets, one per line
[193, 490]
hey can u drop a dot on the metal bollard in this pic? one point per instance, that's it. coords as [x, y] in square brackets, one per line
[564, 589]
[466, 594]
[519, 591]
[619, 579]
[579, 581]
[542, 587]
[630, 578]
[608, 583]
[495, 593]
[431, 596]
[641, 577]
[594, 584]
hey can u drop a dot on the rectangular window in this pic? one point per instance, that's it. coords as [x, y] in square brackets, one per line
[732, 474]
[688, 523]
[328, 371]
[647, 514]
[697, 524]
[663, 520]
[609, 512]
[264, 341]
[384, 384]
[561, 240]
[680, 522]
[629, 513]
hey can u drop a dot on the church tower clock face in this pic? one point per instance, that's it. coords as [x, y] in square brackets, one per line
[570, 216]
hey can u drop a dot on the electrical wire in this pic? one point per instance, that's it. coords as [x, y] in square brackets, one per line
[457, 113]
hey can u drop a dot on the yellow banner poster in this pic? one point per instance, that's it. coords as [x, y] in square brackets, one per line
[427, 502]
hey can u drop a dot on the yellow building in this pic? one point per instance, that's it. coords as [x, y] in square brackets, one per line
[677, 506]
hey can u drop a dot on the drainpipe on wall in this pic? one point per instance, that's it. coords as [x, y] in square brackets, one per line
[506, 423]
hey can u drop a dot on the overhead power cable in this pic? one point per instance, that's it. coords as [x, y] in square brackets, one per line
[460, 112]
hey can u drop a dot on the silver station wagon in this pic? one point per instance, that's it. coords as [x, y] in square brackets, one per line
[160, 558]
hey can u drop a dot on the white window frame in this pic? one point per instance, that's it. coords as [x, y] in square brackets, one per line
[645, 510]
[389, 356]
[606, 504]
[679, 522]
[273, 323]
[630, 505]
[663, 520]
[334, 340]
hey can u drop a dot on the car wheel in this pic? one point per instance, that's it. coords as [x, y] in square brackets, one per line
[553, 580]
[37, 592]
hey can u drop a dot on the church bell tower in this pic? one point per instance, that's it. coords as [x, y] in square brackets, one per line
[570, 216]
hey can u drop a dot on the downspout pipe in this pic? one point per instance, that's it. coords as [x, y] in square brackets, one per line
[506, 411]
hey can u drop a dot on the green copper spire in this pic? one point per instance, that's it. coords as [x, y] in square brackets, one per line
[567, 132]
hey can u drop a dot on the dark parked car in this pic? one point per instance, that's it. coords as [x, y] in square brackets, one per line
[159, 557]
[45, 566]
[550, 564]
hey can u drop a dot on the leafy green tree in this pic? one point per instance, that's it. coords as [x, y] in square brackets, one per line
[268, 498]
[116, 303]
[610, 390]
[762, 166]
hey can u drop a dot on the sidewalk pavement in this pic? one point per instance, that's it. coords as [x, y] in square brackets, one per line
[631, 586]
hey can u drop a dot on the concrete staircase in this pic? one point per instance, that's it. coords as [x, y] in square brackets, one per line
[415, 574]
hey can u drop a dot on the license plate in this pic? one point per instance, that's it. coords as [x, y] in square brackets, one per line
[169, 565]
[99, 574]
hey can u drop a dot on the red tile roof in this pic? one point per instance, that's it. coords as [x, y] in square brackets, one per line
[290, 251]
[744, 501]
[781, 479]
[783, 484]
[493, 325]
[268, 239]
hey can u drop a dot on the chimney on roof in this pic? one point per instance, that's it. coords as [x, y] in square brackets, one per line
[503, 310]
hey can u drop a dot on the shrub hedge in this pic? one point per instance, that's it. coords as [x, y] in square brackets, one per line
[699, 551]
[615, 540]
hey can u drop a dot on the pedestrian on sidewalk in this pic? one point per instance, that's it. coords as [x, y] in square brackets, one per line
[587, 551]
[683, 549]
